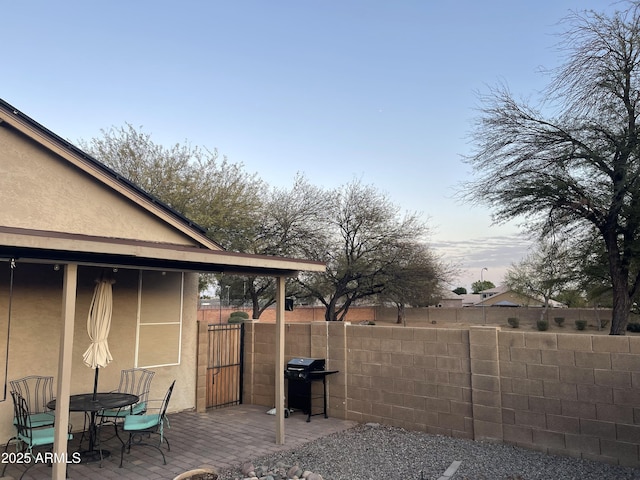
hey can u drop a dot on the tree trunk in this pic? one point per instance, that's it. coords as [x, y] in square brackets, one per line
[255, 304]
[621, 308]
[401, 315]
[619, 273]
[330, 311]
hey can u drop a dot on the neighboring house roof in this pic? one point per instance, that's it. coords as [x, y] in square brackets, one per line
[470, 299]
[449, 295]
[494, 291]
[196, 253]
[502, 296]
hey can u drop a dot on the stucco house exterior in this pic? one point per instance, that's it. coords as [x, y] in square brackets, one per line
[66, 220]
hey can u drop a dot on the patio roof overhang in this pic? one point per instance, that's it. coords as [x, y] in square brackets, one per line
[73, 250]
[58, 247]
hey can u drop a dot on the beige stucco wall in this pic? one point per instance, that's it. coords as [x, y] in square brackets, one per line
[36, 323]
[40, 191]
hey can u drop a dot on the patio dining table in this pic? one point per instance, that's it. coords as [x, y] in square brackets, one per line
[91, 404]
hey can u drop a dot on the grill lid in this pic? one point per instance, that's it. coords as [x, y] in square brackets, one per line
[302, 363]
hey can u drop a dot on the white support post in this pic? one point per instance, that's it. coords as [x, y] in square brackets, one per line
[60, 447]
[279, 400]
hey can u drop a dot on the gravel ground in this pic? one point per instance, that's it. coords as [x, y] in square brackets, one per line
[380, 452]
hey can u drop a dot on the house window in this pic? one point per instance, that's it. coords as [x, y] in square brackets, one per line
[159, 331]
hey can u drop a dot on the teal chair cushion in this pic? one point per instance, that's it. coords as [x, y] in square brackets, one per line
[40, 436]
[141, 422]
[137, 409]
[39, 419]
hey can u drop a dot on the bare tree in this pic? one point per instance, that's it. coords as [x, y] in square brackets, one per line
[415, 279]
[290, 222]
[577, 170]
[366, 238]
[541, 274]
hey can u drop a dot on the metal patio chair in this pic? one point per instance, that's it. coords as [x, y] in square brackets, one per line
[136, 381]
[37, 391]
[29, 435]
[140, 427]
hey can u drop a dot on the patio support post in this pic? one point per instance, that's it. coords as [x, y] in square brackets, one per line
[69, 289]
[280, 293]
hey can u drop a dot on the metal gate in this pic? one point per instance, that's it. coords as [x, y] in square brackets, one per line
[224, 365]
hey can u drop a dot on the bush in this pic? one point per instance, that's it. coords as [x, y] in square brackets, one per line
[513, 321]
[581, 324]
[542, 325]
[559, 321]
[236, 319]
[240, 314]
[633, 327]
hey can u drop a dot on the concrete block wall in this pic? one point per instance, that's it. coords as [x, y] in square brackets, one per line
[411, 378]
[572, 394]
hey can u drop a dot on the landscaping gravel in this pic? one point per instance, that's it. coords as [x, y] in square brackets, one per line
[380, 452]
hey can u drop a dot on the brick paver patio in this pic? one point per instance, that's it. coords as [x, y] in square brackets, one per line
[220, 438]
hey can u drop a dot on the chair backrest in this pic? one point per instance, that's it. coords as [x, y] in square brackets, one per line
[36, 390]
[136, 381]
[165, 402]
[22, 415]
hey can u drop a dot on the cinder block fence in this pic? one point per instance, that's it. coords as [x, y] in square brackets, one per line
[575, 394]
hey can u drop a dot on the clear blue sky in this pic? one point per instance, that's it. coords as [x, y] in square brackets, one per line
[383, 91]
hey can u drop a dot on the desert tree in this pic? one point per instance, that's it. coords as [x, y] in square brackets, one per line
[542, 274]
[213, 192]
[481, 285]
[290, 222]
[365, 237]
[572, 163]
[415, 279]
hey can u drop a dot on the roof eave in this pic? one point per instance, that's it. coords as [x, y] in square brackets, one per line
[65, 248]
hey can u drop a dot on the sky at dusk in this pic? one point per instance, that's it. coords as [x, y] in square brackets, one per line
[381, 91]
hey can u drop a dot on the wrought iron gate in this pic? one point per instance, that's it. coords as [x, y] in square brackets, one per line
[224, 366]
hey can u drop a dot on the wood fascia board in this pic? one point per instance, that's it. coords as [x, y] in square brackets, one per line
[88, 167]
[163, 252]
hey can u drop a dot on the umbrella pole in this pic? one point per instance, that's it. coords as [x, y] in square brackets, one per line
[95, 384]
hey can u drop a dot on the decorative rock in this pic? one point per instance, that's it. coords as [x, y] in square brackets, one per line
[294, 471]
[280, 471]
[248, 468]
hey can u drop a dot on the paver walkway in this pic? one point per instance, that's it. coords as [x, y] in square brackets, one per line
[220, 438]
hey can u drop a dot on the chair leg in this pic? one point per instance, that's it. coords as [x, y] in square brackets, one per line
[157, 447]
[6, 447]
[124, 445]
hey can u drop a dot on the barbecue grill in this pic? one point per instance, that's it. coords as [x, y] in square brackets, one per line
[301, 373]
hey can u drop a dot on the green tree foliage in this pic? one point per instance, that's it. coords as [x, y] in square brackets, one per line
[481, 285]
[460, 291]
[213, 192]
[572, 165]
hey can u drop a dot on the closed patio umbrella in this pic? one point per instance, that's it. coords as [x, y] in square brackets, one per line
[98, 324]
